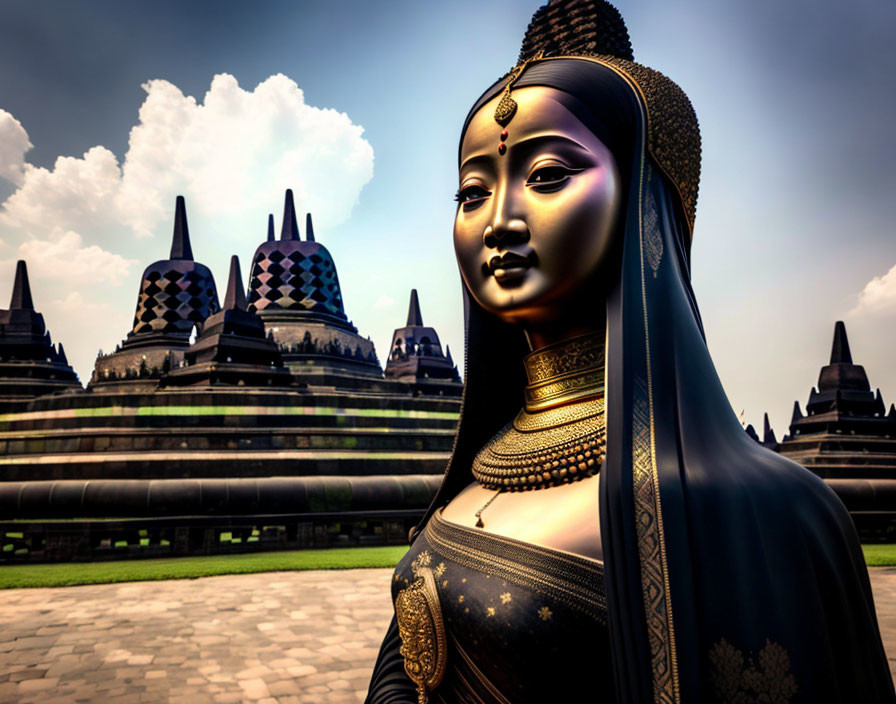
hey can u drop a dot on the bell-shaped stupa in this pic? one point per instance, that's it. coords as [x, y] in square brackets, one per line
[232, 348]
[176, 295]
[416, 354]
[294, 289]
[292, 274]
[30, 365]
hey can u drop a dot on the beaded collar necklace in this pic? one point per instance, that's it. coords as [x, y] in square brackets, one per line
[560, 435]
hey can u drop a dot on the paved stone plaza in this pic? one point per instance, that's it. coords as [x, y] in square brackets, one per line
[284, 637]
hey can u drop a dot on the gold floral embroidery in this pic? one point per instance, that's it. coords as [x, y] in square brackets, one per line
[422, 560]
[490, 611]
[439, 571]
[460, 599]
[741, 679]
[506, 598]
[544, 613]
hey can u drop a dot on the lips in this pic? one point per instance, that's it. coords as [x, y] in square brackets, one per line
[509, 266]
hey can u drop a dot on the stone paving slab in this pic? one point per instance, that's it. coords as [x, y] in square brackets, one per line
[285, 637]
[273, 638]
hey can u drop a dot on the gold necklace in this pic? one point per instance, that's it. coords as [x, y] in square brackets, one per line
[560, 435]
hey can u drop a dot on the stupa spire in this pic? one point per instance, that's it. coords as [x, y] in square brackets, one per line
[235, 298]
[768, 435]
[290, 229]
[414, 317]
[270, 227]
[309, 228]
[21, 289]
[840, 353]
[180, 243]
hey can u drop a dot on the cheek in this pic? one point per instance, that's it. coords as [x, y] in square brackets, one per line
[577, 227]
[467, 247]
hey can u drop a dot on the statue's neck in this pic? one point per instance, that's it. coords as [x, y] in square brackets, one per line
[571, 323]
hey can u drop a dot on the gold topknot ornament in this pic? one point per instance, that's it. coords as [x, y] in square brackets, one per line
[576, 28]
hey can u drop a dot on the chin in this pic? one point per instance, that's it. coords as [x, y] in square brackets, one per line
[521, 307]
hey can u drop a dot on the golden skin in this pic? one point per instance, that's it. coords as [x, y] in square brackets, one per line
[553, 198]
[547, 210]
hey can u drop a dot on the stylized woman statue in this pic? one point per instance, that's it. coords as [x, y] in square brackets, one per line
[606, 531]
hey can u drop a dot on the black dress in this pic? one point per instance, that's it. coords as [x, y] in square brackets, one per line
[516, 618]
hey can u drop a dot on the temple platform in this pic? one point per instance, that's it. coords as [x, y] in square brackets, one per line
[272, 638]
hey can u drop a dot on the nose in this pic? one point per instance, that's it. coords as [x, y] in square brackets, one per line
[507, 226]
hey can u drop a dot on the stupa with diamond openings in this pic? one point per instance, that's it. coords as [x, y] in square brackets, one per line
[176, 295]
[294, 289]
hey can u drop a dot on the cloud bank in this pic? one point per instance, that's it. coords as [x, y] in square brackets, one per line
[879, 296]
[88, 225]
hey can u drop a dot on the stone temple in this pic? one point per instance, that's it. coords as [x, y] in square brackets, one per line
[847, 431]
[847, 436]
[264, 418]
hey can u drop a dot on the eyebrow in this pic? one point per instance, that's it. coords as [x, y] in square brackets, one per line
[529, 143]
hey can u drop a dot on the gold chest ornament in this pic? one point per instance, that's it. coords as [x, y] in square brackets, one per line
[422, 631]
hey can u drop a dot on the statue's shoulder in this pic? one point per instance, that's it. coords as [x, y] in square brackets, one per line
[775, 489]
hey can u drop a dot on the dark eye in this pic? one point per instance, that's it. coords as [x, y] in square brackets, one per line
[471, 196]
[550, 178]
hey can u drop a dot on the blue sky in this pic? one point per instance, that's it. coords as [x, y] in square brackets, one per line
[793, 226]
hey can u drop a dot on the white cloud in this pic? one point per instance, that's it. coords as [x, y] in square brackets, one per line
[878, 296]
[14, 143]
[77, 195]
[64, 257]
[89, 223]
[384, 301]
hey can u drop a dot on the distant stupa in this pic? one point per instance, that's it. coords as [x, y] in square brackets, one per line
[416, 353]
[846, 431]
[232, 347]
[30, 365]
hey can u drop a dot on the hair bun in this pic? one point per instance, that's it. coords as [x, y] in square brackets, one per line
[577, 28]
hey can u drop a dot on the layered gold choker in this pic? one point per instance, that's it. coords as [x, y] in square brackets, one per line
[565, 372]
[560, 435]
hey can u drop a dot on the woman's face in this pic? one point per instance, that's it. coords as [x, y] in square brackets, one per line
[535, 222]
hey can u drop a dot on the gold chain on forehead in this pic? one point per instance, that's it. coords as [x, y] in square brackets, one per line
[507, 106]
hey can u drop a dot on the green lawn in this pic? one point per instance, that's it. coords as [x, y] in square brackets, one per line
[68, 574]
[883, 555]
